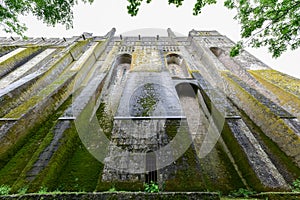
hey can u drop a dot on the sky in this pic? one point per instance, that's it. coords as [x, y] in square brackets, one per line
[103, 15]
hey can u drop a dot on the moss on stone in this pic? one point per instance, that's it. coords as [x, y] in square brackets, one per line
[191, 71]
[143, 61]
[25, 107]
[18, 57]
[105, 120]
[146, 102]
[49, 176]
[17, 134]
[187, 176]
[214, 172]
[283, 162]
[14, 167]
[241, 160]
[49, 129]
[149, 101]
[230, 179]
[278, 195]
[81, 172]
[273, 126]
[6, 49]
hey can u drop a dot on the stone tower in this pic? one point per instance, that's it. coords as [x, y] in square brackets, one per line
[95, 112]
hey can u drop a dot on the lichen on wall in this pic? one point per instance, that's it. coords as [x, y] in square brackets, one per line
[146, 59]
[283, 86]
[284, 81]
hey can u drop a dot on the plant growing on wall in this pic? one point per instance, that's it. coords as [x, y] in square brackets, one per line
[242, 193]
[4, 189]
[296, 185]
[144, 104]
[152, 187]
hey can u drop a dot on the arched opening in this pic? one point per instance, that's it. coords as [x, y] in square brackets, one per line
[123, 59]
[118, 77]
[121, 68]
[217, 51]
[187, 89]
[151, 170]
[177, 66]
[224, 58]
[187, 93]
[237, 68]
[123, 63]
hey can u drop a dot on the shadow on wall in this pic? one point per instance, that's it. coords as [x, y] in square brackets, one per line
[186, 89]
[217, 51]
[123, 59]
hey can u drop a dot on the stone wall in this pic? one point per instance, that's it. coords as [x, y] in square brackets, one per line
[273, 126]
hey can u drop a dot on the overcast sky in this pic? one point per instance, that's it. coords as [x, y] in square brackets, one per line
[103, 15]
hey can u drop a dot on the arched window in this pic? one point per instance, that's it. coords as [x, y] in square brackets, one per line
[217, 51]
[177, 66]
[224, 58]
[123, 59]
[121, 67]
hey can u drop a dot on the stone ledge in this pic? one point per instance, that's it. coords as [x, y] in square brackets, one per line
[278, 195]
[148, 117]
[9, 119]
[118, 195]
[67, 118]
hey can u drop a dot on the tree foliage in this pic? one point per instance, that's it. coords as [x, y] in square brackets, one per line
[51, 12]
[271, 23]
